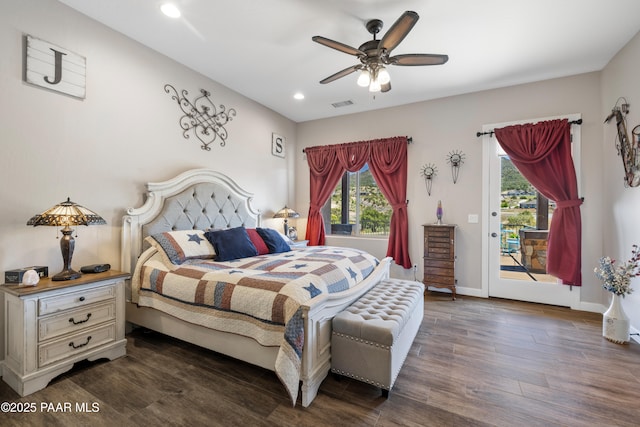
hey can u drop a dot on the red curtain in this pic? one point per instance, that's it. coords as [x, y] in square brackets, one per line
[388, 165]
[387, 160]
[542, 153]
[325, 172]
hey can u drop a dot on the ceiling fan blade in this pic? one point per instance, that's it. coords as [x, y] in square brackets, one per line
[337, 46]
[411, 59]
[385, 87]
[340, 74]
[398, 31]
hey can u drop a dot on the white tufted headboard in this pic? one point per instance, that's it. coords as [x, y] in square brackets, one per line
[196, 199]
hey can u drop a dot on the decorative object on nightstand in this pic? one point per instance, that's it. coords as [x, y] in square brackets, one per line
[66, 215]
[286, 213]
[16, 276]
[30, 278]
[293, 233]
[617, 280]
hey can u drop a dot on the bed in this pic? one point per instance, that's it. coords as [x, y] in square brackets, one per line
[196, 298]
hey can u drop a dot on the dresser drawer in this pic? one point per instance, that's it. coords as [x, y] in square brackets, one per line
[439, 280]
[74, 300]
[75, 320]
[438, 263]
[436, 271]
[437, 233]
[76, 344]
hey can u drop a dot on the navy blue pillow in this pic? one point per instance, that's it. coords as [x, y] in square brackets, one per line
[273, 240]
[232, 243]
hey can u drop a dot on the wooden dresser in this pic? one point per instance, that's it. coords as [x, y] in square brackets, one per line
[439, 257]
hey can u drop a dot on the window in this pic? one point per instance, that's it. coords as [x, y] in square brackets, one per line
[358, 207]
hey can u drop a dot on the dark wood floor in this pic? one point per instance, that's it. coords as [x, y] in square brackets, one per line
[475, 362]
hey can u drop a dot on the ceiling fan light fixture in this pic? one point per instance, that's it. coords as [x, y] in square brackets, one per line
[375, 86]
[375, 54]
[383, 76]
[364, 79]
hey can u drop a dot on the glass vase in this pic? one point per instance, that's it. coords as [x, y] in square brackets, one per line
[615, 322]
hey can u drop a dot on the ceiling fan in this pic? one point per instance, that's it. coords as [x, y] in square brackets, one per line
[374, 55]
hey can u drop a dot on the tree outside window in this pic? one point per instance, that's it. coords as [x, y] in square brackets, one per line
[358, 207]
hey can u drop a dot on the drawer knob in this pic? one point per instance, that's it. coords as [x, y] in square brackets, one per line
[80, 321]
[71, 344]
[81, 299]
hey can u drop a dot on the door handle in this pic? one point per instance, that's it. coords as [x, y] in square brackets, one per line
[494, 234]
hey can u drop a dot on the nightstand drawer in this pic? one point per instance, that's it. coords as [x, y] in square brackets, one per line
[76, 344]
[75, 320]
[75, 299]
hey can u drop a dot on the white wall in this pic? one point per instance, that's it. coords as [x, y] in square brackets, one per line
[443, 125]
[100, 151]
[621, 204]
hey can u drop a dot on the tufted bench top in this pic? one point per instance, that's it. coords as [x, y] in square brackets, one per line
[380, 314]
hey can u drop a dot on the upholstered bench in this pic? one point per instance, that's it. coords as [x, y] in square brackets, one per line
[372, 337]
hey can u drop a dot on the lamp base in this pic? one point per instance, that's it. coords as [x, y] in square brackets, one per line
[68, 274]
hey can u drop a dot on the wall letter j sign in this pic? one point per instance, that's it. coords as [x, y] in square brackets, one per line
[55, 68]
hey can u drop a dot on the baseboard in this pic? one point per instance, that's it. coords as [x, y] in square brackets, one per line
[593, 307]
[472, 292]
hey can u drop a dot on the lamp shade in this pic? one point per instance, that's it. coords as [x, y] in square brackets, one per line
[66, 214]
[286, 213]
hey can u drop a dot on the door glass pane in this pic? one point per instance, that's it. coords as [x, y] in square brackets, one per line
[523, 229]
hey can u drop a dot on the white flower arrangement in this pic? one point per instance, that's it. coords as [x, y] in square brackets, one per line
[617, 278]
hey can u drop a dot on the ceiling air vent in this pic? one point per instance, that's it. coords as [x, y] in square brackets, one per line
[342, 103]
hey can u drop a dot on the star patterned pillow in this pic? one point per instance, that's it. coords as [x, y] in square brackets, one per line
[180, 246]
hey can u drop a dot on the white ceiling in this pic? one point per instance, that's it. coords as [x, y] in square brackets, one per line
[263, 48]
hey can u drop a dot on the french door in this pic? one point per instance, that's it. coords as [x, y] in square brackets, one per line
[515, 246]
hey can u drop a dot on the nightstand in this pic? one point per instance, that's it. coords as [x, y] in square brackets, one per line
[299, 243]
[49, 327]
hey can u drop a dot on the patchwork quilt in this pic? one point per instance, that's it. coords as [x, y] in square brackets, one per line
[261, 297]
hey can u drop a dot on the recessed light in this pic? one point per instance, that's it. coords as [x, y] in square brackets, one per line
[298, 95]
[170, 10]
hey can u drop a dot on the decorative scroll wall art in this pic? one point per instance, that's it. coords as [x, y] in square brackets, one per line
[201, 117]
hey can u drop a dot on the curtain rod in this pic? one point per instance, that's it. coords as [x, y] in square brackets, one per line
[409, 141]
[490, 133]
